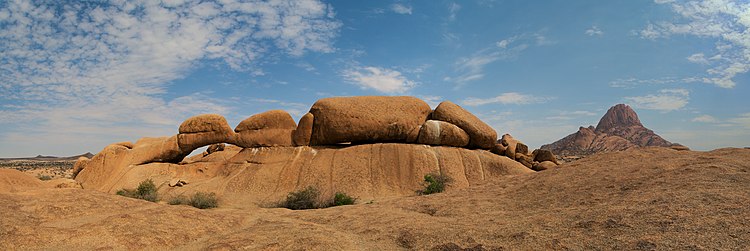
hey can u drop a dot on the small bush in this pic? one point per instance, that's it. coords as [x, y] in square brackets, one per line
[435, 183]
[343, 199]
[179, 200]
[303, 199]
[44, 177]
[204, 200]
[198, 200]
[145, 191]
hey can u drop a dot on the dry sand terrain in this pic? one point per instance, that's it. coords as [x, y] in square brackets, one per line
[639, 199]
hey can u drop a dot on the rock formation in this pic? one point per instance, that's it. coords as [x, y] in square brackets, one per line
[369, 147]
[619, 129]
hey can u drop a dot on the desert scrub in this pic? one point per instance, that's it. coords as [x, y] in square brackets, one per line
[342, 199]
[199, 200]
[44, 177]
[145, 191]
[303, 199]
[434, 183]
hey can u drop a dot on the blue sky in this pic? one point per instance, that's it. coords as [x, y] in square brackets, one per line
[75, 77]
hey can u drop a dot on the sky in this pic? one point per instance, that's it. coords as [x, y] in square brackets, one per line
[76, 76]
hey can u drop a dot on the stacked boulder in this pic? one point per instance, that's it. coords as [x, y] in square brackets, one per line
[340, 120]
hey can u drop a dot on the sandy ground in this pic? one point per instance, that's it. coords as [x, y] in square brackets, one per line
[646, 199]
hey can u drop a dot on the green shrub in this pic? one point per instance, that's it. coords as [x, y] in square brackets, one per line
[145, 191]
[343, 199]
[44, 177]
[204, 200]
[179, 200]
[303, 199]
[435, 183]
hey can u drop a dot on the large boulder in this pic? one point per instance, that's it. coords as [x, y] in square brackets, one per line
[203, 130]
[435, 132]
[271, 128]
[544, 165]
[480, 134]
[301, 136]
[498, 149]
[541, 155]
[161, 149]
[367, 119]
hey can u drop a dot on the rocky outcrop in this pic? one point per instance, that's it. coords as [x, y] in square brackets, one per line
[392, 146]
[619, 129]
[481, 135]
[368, 119]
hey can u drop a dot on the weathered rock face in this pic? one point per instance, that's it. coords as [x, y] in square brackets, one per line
[618, 129]
[271, 128]
[541, 155]
[366, 119]
[435, 132]
[203, 130]
[480, 134]
[267, 174]
[79, 165]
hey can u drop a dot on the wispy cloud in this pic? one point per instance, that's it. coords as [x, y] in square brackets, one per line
[471, 68]
[569, 115]
[633, 82]
[379, 79]
[724, 20]
[705, 119]
[401, 9]
[665, 101]
[594, 31]
[453, 8]
[507, 98]
[106, 65]
[742, 120]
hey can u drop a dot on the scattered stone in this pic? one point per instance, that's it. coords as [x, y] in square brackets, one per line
[510, 143]
[435, 132]
[524, 160]
[176, 182]
[522, 148]
[679, 147]
[215, 148]
[480, 134]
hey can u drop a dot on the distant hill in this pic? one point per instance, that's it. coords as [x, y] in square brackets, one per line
[619, 129]
[49, 158]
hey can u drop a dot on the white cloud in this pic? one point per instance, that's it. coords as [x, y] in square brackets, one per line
[453, 9]
[705, 119]
[742, 120]
[401, 9]
[666, 100]
[632, 82]
[506, 98]
[108, 65]
[727, 21]
[698, 58]
[379, 79]
[471, 68]
[594, 31]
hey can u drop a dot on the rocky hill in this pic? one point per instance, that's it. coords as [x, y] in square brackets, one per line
[619, 129]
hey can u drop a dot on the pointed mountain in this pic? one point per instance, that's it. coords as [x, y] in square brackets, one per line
[619, 129]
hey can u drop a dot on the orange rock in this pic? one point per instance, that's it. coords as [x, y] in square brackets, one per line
[366, 119]
[435, 132]
[301, 136]
[271, 128]
[480, 134]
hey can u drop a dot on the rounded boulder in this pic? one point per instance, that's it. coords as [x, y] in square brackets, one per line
[271, 128]
[366, 119]
[480, 134]
[441, 133]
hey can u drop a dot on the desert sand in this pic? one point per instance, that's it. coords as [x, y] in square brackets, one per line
[638, 199]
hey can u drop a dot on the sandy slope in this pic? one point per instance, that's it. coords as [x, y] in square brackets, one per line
[638, 199]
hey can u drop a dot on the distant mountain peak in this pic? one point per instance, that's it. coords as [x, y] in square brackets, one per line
[619, 129]
[618, 116]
